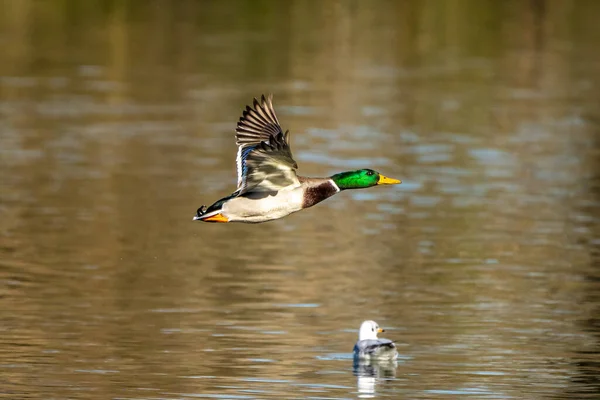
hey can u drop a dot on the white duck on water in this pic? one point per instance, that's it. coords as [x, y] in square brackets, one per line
[370, 347]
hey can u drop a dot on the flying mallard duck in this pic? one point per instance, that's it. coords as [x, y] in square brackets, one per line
[369, 347]
[268, 187]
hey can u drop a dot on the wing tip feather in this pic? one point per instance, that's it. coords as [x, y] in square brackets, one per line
[259, 119]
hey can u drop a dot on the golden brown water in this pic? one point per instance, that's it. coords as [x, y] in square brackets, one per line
[116, 123]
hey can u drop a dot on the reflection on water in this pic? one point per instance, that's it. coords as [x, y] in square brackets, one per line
[370, 373]
[117, 121]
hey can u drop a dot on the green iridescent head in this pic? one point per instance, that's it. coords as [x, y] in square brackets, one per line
[362, 178]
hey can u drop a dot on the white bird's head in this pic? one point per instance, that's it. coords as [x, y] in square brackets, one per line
[369, 330]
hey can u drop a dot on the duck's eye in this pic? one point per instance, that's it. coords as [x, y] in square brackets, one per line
[369, 173]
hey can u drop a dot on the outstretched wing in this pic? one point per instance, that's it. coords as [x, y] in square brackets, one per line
[264, 158]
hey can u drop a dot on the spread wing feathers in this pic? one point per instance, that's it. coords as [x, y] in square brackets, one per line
[264, 158]
[258, 124]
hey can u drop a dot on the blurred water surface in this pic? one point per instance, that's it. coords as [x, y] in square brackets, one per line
[117, 121]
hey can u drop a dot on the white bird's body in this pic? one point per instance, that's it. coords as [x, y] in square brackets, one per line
[370, 347]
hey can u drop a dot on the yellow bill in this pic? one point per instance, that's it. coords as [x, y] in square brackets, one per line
[384, 180]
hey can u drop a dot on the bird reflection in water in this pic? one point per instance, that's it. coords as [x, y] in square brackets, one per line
[369, 373]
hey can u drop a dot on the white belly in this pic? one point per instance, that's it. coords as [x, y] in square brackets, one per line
[261, 209]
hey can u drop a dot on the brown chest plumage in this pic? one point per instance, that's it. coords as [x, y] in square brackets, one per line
[318, 191]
